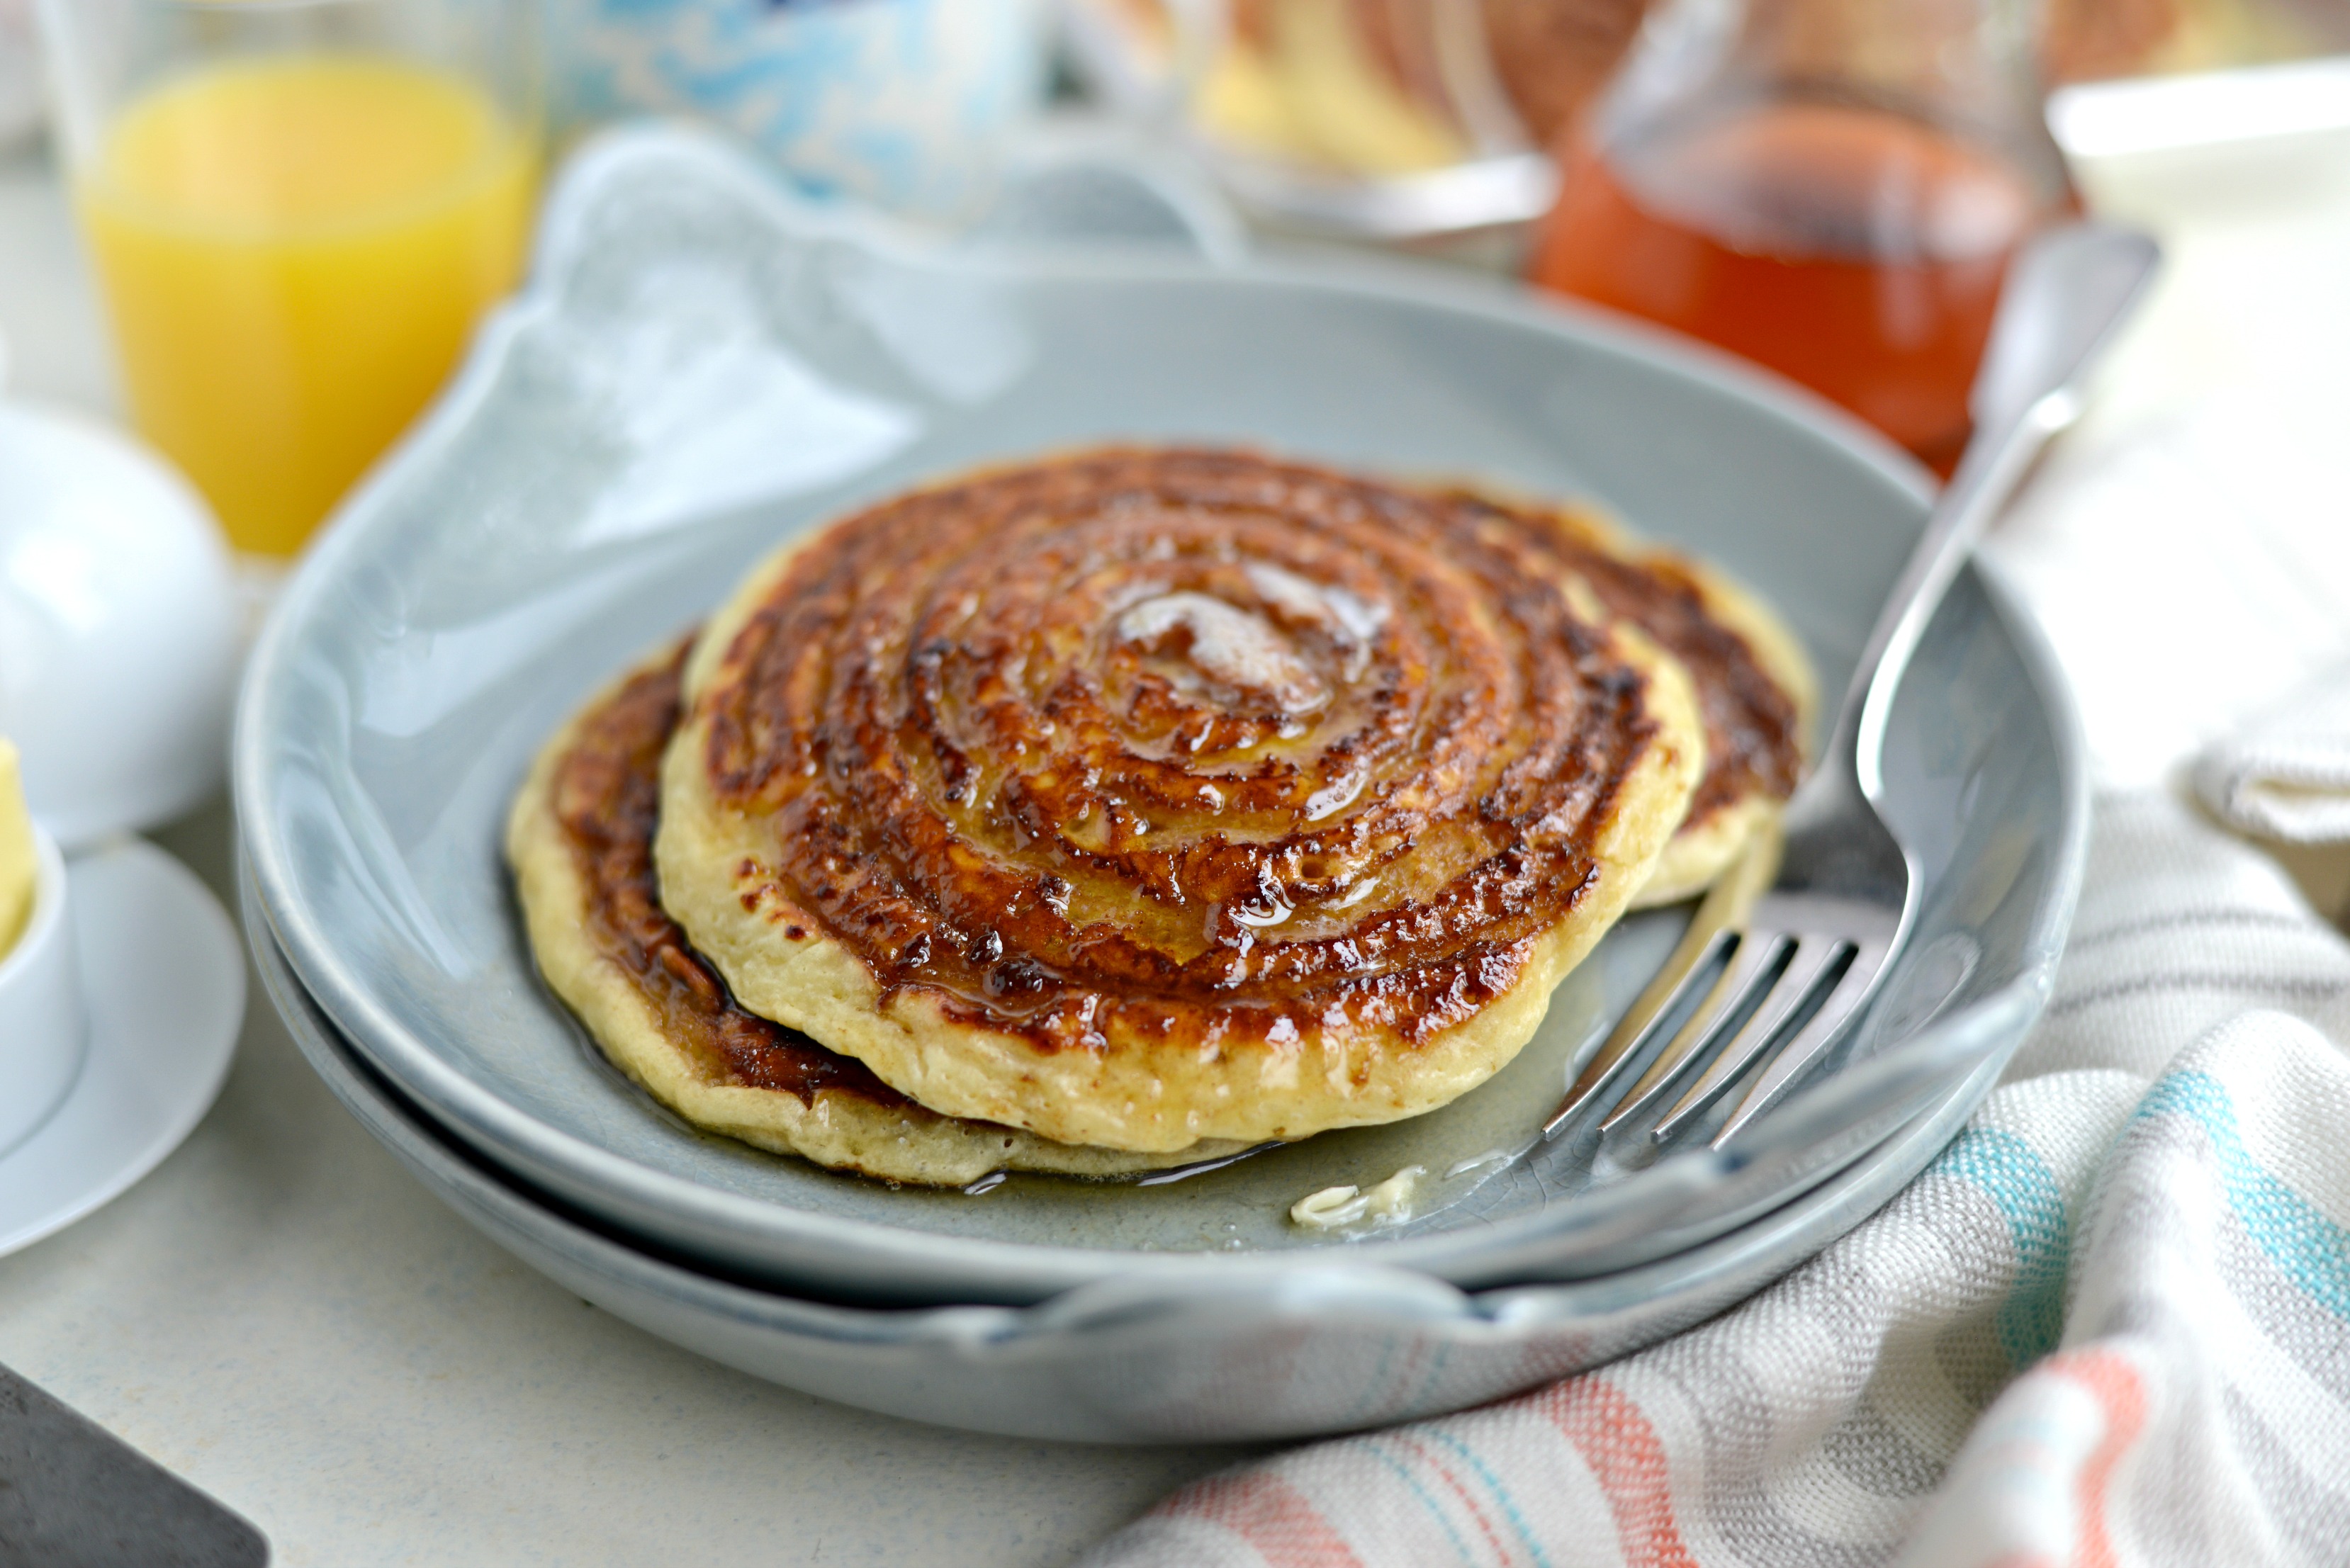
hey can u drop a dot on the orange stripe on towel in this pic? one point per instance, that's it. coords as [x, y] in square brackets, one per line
[1628, 1461]
[2117, 1387]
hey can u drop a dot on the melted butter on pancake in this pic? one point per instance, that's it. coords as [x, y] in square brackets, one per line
[1231, 647]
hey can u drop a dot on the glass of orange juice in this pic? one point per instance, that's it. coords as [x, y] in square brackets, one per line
[297, 210]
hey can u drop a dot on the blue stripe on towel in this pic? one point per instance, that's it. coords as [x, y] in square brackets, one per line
[1402, 1472]
[2313, 1251]
[1500, 1494]
[2024, 1191]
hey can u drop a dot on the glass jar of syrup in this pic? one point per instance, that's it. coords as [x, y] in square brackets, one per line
[1830, 187]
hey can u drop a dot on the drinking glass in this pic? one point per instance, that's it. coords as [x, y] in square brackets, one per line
[1369, 119]
[297, 210]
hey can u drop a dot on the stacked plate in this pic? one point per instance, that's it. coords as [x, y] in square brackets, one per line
[703, 366]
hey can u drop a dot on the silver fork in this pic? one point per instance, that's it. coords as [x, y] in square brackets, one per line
[1774, 970]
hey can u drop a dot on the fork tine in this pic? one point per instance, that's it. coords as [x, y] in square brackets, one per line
[1853, 989]
[1638, 1030]
[1716, 924]
[1748, 977]
[1812, 956]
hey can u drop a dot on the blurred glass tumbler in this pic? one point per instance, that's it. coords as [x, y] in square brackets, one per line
[1370, 118]
[1830, 187]
[907, 104]
[297, 210]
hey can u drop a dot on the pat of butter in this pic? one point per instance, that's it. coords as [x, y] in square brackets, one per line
[1333, 1208]
[19, 868]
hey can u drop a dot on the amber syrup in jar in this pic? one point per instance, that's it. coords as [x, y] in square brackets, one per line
[1852, 248]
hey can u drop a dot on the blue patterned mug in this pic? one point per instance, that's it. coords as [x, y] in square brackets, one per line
[903, 103]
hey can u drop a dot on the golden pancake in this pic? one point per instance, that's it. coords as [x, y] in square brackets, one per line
[1141, 797]
[581, 841]
[1755, 684]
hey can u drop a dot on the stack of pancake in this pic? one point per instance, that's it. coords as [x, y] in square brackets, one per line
[1126, 809]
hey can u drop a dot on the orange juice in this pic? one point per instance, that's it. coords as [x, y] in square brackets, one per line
[293, 250]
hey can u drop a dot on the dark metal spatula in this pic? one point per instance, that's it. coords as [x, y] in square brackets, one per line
[73, 1495]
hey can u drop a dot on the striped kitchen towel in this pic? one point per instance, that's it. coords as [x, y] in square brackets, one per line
[2110, 1325]
[2287, 774]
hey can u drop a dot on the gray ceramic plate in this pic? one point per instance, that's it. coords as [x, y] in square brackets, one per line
[702, 365]
[1320, 1349]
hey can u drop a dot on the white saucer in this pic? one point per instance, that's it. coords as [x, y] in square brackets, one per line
[163, 977]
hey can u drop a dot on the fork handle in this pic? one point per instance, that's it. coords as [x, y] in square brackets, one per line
[2065, 295]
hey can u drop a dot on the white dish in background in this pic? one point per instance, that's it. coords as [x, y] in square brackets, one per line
[2265, 104]
[163, 977]
[117, 627]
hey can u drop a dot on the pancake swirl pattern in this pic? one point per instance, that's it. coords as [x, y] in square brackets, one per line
[580, 840]
[1141, 797]
[1755, 684]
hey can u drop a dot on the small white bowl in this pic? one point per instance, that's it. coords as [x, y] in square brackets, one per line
[43, 1029]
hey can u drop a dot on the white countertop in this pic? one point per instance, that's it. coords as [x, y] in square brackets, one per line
[283, 1316]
